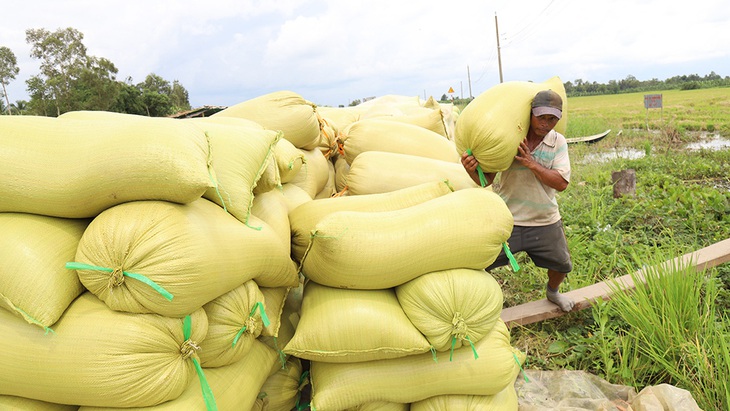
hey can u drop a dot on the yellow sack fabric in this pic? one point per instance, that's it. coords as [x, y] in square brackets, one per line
[235, 387]
[287, 325]
[281, 110]
[78, 168]
[381, 172]
[417, 377]
[395, 137]
[195, 252]
[33, 281]
[372, 250]
[329, 188]
[343, 326]
[100, 357]
[339, 117]
[495, 122]
[452, 307]
[314, 174]
[240, 155]
[270, 178]
[274, 301]
[304, 218]
[381, 406]
[234, 321]
[294, 195]
[426, 118]
[505, 400]
[280, 392]
[13, 403]
[272, 209]
[289, 160]
[341, 170]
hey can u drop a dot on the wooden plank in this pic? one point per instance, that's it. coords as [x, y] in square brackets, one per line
[535, 311]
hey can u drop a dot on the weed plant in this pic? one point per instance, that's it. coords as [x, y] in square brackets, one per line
[675, 329]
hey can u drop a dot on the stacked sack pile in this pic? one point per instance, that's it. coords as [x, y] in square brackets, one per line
[161, 264]
[135, 273]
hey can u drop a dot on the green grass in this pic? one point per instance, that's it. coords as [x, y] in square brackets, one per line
[676, 330]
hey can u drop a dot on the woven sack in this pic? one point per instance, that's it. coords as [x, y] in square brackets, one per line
[373, 250]
[375, 172]
[495, 122]
[33, 281]
[395, 137]
[11, 403]
[304, 218]
[271, 208]
[194, 252]
[99, 357]
[505, 400]
[314, 174]
[485, 370]
[281, 110]
[452, 307]
[235, 320]
[233, 387]
[347, 326]
[429, 119]
[71, 168]
[281, 391]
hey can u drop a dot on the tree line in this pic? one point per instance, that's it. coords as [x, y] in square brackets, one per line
[630, 85]
[70, 80]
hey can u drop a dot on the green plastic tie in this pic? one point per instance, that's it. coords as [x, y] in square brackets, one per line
[282, 356]
[302, 381]
[453, 344]
[517, 360]
[511, 257]
[433, 354]
[482, 178]
[210, 404]
[139, 277]
[473, 348]
[29, 318]
[264, 319]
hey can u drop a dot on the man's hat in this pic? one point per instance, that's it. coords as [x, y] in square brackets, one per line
[547, 102]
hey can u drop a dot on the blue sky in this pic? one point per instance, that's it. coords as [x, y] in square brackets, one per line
[332, 52]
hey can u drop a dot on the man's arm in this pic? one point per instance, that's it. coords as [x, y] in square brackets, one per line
[470, 165]
[550, 178]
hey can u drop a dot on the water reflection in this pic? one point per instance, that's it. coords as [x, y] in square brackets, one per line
[714, 143]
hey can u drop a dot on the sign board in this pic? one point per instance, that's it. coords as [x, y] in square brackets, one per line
[451, 89]
[652, 101]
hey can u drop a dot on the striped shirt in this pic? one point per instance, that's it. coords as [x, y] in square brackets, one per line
[531, 202]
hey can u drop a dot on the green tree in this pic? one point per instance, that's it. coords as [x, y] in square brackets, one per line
[96, 87]
[179, 97]
[63, 58]
[8, 70]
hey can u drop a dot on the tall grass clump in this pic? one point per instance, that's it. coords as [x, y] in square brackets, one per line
[673, 333]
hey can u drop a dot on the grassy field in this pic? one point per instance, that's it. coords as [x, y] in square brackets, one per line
[682, 203]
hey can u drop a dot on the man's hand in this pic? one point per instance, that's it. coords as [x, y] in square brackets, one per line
[470, 164]
[524, 155]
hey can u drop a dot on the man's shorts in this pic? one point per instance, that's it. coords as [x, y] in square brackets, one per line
[545, 245]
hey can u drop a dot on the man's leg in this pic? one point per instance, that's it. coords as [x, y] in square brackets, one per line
[555, 278]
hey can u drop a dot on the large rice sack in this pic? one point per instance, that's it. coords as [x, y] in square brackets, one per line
[304, 218]
[289, 160]
[281, 110]
[233, 387]
[373, 250]
[345, 326]
[271, 208]
[294, 196]
[395, 137]
[170, 259]
[417, 377]
[281, 391]
[274, 301]
[314, 174]
[375, 172]
[380, 406]
[427, 118]
[240, 155]
[505, 400]
[33, 281]
[452, 307]
[341, 171]
[495, 122]
[339, 117]
[235, 320]
[270, 178]
[100, 357]
[70, 168]
[329, 188]
[13, 403]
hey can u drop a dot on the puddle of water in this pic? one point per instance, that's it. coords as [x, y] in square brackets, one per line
[716, 143]
[629, 154]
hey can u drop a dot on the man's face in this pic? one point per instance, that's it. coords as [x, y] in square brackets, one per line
[542, 125]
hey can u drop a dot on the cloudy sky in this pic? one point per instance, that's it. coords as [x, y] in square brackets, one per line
[332, 52]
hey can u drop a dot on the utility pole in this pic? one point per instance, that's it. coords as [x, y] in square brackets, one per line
[499, 54]
[468, 76]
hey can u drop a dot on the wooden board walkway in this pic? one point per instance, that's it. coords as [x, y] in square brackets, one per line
[535, 311]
